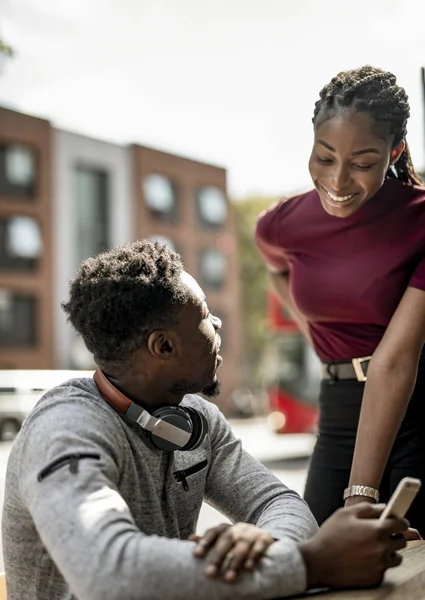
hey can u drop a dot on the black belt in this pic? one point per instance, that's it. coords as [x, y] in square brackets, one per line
[355, 369]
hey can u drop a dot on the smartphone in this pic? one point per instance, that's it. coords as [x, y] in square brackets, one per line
[402, 498]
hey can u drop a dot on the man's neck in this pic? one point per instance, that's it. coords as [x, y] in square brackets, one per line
[145, 393]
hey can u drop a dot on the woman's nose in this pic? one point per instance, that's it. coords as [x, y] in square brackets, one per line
[340, 179]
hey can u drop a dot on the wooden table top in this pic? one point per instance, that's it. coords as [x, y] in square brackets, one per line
[406, 582]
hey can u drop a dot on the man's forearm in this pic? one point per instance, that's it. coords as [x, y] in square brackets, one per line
[153, 568]
[281, 573]
[102, 554]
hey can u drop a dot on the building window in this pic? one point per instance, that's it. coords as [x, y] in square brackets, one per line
[18, 168]
[20, 243]
[160, 197]
[213, 268]
[18, 317]
[92, 212]
[212, 207]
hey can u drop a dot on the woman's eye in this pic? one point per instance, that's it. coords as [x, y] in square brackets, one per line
[363, 167]
[324, 160]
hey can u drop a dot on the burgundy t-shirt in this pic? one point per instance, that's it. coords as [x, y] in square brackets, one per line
[348, 274]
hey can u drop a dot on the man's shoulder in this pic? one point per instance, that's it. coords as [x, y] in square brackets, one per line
[208, 408]
[70, 419]
[69, 414]
[73, 396]
[218, 426]
[217, 422]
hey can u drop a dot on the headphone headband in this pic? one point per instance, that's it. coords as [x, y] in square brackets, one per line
[110, 392]
[171, 428]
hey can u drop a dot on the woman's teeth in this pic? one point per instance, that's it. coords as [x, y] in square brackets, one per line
[339, 198]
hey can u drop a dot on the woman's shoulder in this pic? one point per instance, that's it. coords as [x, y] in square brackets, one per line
[418, 192]
[284, 208]
[287, 201]
[406, 191]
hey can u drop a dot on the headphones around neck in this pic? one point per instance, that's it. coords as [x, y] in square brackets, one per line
[170, 427]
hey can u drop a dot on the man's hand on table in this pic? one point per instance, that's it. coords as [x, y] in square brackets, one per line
[353, 548]
[228, 549]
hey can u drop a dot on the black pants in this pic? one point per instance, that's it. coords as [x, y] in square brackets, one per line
[330, 464]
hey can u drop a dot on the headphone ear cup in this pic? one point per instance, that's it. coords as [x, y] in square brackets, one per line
[177, 416]
[200, 428]
[185, 418]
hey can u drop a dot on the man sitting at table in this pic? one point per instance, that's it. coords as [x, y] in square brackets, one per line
[107, 476]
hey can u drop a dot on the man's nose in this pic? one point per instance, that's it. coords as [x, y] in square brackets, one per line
[216, 321]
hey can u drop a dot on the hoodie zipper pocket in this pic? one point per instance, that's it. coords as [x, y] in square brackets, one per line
[71, 459]
[181, 476]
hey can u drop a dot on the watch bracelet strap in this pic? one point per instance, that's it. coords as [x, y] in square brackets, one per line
[361, 490]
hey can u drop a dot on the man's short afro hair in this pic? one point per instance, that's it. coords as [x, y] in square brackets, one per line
[118, 297]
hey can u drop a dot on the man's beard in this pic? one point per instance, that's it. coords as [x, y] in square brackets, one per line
[211, 391]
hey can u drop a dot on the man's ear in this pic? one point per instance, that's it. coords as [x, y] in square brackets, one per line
[163, 344]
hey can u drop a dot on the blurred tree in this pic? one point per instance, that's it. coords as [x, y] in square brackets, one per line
[254, 288]
[6, 51]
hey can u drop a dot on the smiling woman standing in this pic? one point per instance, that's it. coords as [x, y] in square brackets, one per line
[348, 260]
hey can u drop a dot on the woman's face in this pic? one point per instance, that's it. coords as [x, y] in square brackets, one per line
[348, 163]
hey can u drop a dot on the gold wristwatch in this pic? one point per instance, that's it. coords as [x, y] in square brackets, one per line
[361, 490]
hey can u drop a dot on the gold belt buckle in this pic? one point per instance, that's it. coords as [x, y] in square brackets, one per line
[358, 369]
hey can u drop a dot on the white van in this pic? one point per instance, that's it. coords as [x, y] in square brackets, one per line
[21, 389]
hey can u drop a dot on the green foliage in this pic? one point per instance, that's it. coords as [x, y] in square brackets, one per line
[5, 50]
[254, 287]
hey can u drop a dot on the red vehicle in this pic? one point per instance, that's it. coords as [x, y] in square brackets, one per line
[293, 389]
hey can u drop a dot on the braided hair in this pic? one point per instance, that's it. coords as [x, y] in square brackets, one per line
[375, 92]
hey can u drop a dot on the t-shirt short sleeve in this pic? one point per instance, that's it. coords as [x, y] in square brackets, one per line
[267, 240]
[418, 278]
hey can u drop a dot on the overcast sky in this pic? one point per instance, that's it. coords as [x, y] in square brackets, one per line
[232, 82]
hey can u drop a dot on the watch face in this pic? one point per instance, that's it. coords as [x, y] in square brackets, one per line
[159, 193]
[212, 206]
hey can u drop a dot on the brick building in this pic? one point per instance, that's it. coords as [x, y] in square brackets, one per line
[64, 197]
[26, 282]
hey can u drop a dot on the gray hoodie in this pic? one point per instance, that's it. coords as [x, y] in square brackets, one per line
[94, 511]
